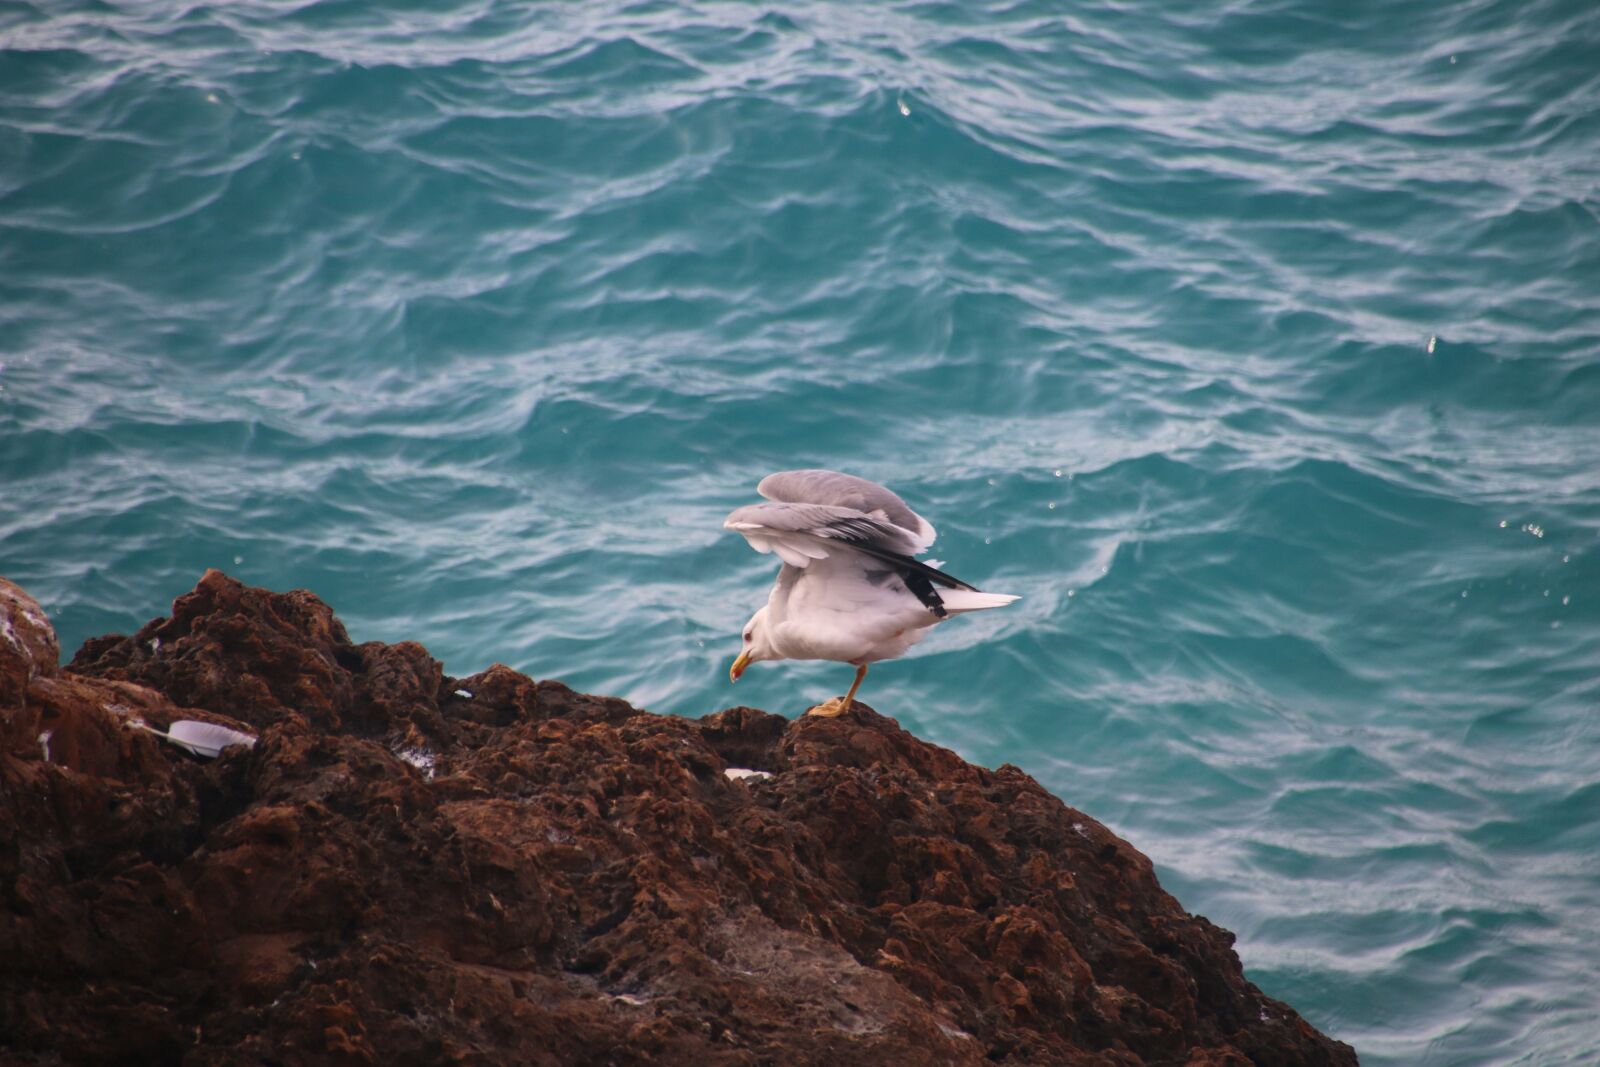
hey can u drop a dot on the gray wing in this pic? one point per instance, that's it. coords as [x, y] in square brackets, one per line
[801, 533]
[832, 489]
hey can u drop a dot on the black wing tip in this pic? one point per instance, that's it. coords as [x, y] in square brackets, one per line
[949, 581]
[924, 591]
[920, 578]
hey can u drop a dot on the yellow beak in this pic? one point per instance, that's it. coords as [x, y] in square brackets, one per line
[738, 666]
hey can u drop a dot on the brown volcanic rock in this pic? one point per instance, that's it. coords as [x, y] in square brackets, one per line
[28, 645]
[257, 655]
[28, 650]
[408, 868]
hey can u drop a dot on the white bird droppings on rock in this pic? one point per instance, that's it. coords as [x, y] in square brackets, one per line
[419, 758]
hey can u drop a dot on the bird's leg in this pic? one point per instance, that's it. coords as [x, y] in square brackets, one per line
[849, 698]
[839, 705]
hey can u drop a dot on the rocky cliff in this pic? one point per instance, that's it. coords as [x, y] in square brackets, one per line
[408, 868]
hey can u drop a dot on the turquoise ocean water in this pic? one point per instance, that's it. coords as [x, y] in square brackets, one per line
[1257, 345]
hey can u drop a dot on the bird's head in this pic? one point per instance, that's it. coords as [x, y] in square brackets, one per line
[756, 645]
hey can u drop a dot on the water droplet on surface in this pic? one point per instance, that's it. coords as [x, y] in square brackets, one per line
[1052, 505]
[1463, 594]
[1431, 342]
[1566, 600]
[237, 560]
[1502, 524]
[904, 110]
[1058, 472]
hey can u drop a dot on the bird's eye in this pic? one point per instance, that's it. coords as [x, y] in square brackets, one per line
[748, 634]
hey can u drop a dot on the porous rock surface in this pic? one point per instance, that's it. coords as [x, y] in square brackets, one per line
[414, 869]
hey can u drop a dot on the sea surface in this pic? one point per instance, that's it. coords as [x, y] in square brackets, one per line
[1255, 344]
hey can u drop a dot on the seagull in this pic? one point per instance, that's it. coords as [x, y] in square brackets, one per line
[849, 589]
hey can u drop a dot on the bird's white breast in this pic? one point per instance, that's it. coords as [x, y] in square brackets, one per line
[840, 610]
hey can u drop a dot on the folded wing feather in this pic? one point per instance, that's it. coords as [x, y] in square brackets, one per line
[800, 533]
[869, 499]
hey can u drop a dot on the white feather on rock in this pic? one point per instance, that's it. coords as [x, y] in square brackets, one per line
[206, 739]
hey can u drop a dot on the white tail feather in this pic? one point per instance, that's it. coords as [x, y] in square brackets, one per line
[957, 600]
